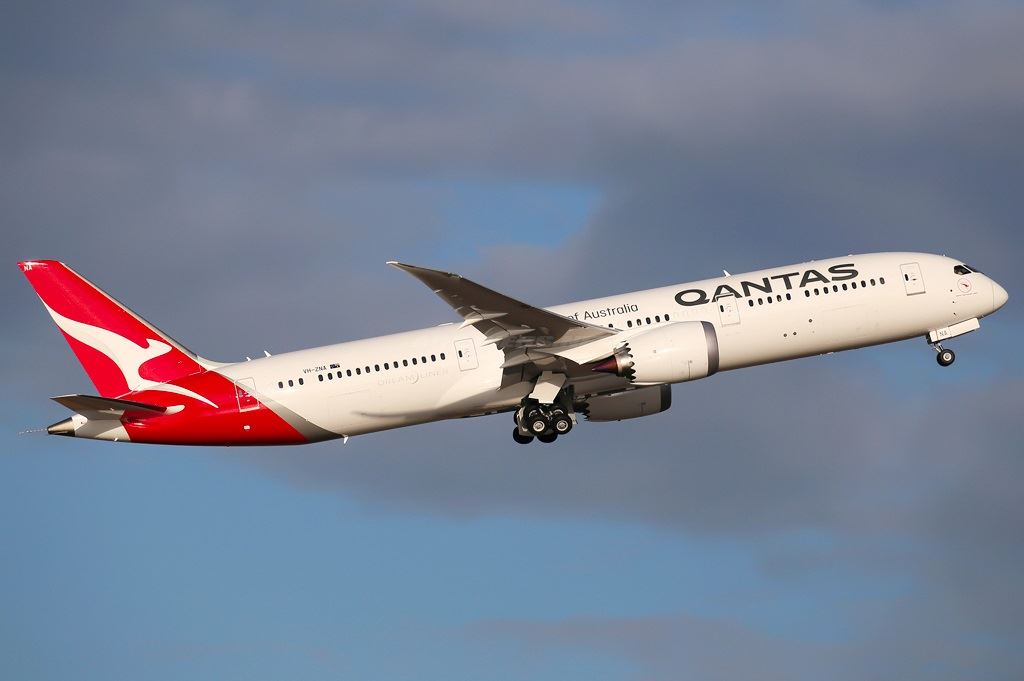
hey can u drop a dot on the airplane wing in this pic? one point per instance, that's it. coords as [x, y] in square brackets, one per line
[107, 405]
[514, 326]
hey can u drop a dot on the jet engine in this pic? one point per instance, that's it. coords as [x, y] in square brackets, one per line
[630, 404]
[683, 351]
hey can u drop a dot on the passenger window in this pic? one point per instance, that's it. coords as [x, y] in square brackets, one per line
[807, 293]
[405, 362]
[348, 372]
[721, 308]
[414, 359]
[816, 292]
[423, 360]
[330, 377]
[376, 367]
[386, 366]
[291, 384]
[881, 280]
[760, 301]
[750, 303]
[433, 358]
[359, 372]
[835, 288]
[853, 284]
[872, 282]
[629, 323]
[657, 318]
[769, 300]
[778, 298]
[442, 354]
[789, 297]
[280, 384]
[648, 320]
[863, 284]
[321, 377]
[666, 318]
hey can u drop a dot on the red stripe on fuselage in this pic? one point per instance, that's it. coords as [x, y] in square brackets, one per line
[200, 424]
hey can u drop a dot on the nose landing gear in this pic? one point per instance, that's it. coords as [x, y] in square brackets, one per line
[943, 356]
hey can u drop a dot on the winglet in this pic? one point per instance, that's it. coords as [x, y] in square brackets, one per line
[420, 272]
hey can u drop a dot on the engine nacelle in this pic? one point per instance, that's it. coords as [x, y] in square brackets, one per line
[683, 351]
[630, 404]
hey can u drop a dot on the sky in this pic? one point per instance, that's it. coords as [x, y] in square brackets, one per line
[239, 172]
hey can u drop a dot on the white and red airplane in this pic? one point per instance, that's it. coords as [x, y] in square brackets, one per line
[608, 358]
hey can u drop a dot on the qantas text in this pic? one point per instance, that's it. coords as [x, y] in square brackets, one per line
[697, 296]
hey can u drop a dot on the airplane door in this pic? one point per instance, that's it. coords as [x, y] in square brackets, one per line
[465, 350]
[912, 279]
[245, 393]
[729, 310]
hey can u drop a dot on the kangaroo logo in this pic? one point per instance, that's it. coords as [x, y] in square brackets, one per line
[128, 356]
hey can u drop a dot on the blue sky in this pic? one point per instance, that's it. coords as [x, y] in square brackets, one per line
[239, 174]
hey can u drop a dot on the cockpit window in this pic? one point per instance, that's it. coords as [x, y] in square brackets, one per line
[961, 269]
[974, 269]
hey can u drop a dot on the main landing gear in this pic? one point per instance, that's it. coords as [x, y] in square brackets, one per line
[542, 421]
[943, 356]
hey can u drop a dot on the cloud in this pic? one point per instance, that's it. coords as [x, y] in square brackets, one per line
[674, 646]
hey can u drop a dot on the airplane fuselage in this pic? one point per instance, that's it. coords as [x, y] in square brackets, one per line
[452, 371]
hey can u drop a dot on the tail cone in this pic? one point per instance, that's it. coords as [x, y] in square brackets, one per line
[65, 427]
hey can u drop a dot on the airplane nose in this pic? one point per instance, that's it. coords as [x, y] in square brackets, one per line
[999, 296]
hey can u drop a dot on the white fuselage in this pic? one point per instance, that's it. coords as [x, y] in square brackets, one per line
[401, 379]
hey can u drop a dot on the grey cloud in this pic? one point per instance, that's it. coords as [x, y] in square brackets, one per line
[687, 646]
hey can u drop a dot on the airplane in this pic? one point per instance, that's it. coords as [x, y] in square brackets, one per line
[609, 359]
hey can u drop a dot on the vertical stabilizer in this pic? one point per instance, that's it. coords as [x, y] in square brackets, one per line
[119, 350]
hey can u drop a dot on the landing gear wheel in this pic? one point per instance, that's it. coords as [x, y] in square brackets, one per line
[945, 357]
[561, 424]
[537, 423]
[547, 438]
[520, 438]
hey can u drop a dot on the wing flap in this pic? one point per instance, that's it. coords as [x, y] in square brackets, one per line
[504, 321]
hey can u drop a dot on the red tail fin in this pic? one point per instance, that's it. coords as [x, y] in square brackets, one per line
[119, 350]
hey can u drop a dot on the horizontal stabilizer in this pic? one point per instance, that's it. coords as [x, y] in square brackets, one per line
[108, 405]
